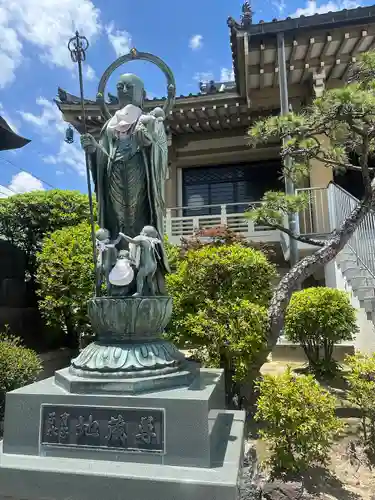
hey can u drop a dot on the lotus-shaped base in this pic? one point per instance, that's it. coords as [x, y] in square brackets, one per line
[128, 360]
[127, 319]
[129, 341]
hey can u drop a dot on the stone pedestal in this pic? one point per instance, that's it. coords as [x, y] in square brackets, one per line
[130, 419]
[170, 444]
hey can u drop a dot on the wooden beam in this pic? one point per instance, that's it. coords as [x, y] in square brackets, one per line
[300, 64]
[347, 69]
[309, 50]
[343, 43]
[201, 112]
[326, 45]
[305, 74]
[358, 43]
[293, 52]
[329, 72]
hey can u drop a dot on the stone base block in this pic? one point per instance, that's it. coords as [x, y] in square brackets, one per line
[51, 478]
[171, 444]
[117, 385]
[190, 423]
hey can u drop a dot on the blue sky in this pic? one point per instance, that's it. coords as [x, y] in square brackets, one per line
[192, 37]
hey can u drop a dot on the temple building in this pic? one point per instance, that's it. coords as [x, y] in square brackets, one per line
[214, 174]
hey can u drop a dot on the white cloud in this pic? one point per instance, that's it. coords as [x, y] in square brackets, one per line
[227, 75]
[5, 192]
[196, 42]
[69, 155]
[51, 124]
[331, 6]
[23, 182]
[280, 6]
[90, 73]
[120, 40]
[47, 25]
[204, 76]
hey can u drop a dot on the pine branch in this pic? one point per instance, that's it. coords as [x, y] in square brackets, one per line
[297, 237]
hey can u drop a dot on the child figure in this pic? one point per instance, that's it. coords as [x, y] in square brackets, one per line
[143, 253]
[113, 266]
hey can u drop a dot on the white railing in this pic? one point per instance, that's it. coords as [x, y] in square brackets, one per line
[178, 225]
[182, 222]
[315, 219]
[341, 205]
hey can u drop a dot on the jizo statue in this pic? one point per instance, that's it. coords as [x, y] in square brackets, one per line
[129, 166]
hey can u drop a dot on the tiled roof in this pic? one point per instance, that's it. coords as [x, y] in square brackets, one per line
[213, 88]
[345, 17]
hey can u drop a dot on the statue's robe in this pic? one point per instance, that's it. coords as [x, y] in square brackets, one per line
[129, 177]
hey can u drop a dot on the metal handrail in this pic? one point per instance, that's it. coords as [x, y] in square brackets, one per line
[362, 243]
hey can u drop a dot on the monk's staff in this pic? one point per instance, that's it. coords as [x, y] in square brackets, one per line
[77, 47]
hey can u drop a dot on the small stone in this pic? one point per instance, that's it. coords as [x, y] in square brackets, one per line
[278, 490]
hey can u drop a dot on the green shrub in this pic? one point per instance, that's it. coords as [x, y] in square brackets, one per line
[66, 280]
[318, 318]
[25, 219]
[299, 421]
[224, 273]
[232, 333]
[18, 366]
[361, 380]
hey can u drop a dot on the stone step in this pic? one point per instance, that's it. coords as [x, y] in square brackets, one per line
[360, 281]
[365, 292]
[368, 304]
[348, 263]
[354, 272]
[346, 253]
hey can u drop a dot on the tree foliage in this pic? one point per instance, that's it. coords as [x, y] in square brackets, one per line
[18, 366]
[298, 421]
[220, 295]
[318, 318]
[223, 273]
[65, 279]
[338, 123]
[228, 330]
[25, 219]
[361, 379]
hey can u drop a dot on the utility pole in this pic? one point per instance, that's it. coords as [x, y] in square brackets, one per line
[284, 110]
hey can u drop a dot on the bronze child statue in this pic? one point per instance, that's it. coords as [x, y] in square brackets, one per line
[144, 253]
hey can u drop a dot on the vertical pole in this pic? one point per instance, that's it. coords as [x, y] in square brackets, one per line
[284, 109]
[77, 47]
[88, 162]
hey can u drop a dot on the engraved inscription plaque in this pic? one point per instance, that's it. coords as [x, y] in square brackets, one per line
[122, 429]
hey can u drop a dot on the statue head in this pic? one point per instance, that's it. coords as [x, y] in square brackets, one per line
[130, 90]
[150, 231]
[124, 255]
[102, 234]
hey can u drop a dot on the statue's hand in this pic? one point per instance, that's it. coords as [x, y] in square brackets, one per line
[146, 120]
[88, 143]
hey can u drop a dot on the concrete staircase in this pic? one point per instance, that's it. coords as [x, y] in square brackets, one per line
[353, 277]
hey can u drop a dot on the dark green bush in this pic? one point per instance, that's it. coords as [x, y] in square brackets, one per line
[18, 366]
[361, 380]
[318, 318]
[298, 422]
[66, 279]
[232, 333]
[223, 273]
[25, 219]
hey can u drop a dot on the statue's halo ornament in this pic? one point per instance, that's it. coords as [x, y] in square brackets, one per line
[132, 56]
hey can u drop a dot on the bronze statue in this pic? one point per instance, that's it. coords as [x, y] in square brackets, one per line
[129, 167]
